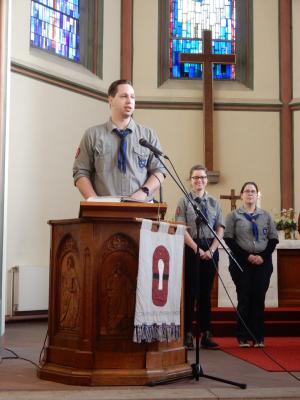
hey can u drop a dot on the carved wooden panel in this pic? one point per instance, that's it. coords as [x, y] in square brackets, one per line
[69, 290]
[93, 274]
[117, 285]
[288, 265]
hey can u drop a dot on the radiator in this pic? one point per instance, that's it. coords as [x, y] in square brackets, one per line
[29, 289]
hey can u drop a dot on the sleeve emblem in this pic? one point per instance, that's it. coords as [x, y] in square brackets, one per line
[77, 152]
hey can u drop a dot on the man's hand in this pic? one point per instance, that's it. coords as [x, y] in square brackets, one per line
[139, 195]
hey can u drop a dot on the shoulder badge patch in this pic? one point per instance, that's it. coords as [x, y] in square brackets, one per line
[178, 211]
[77, 152]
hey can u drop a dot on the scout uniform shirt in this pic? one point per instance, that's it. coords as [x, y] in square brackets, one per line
[239, 228]
[210, 208]
[97, 159]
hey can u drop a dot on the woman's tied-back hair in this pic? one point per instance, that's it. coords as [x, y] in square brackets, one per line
[249, 183]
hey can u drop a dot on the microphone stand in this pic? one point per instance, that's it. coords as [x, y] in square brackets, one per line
[197, 370]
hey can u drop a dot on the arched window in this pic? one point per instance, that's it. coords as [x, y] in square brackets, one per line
[181, 26]
[71, 29]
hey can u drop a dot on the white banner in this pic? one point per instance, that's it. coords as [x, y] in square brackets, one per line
[158, 294]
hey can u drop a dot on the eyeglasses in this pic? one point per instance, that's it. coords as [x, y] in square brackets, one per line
[197, 178]
[250, 191]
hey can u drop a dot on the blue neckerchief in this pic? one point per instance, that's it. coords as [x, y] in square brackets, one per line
[202, 204]
[123, 147]
[252, 219]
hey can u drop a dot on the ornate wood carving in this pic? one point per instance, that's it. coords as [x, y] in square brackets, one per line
[95, 261]
[70, 285]
[117, 278]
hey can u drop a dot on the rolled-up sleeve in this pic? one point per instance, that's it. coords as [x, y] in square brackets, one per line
[83, 165]
[220, 218]
[273, 233]
[229, 227]
[180, 214]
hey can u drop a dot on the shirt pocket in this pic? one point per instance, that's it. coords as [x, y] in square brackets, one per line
[102, 159]
[212, 217]
[263, 233]
[140, 159]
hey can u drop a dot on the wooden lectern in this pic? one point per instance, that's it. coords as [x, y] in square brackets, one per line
[93, 275]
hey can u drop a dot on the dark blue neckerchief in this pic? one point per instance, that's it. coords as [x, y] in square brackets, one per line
[123, 147]
[252, 218]
[203, 206]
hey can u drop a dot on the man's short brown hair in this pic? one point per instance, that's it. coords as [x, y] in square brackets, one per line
[112, 90]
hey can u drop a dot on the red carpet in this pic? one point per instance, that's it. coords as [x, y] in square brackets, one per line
[284, 350]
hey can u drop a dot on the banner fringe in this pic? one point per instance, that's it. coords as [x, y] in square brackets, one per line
[156, 333]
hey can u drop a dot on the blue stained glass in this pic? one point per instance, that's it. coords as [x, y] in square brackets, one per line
[55, 27]
[188, 18]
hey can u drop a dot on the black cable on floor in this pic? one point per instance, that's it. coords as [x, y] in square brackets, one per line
[43, 350]
[17, 357]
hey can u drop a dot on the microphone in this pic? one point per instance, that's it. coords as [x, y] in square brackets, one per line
[156, 151]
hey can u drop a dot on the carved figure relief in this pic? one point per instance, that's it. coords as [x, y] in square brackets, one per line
[69, 294]
[120, 299]
[117, 273]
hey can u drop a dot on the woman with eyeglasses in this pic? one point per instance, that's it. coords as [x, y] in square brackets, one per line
[207, 257]
[251, 235]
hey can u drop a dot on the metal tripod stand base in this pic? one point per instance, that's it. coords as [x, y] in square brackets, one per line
[196, 373]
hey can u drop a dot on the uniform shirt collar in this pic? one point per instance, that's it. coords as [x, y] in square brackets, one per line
[111, 126]
[204, 197]
[242, 210]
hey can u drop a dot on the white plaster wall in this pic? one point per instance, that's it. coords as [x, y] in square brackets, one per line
[266, 70]
[248, 148]
[46, 125]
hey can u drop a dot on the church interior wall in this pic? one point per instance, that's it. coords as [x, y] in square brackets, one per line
[248, 149]
[296, 49]
[47, 122]
[266, 71]
[297, 160]
[242, 151]
[45, 129]
[296, 98]
[22, 53]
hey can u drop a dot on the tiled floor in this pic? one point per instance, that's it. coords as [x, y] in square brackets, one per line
[18, 378]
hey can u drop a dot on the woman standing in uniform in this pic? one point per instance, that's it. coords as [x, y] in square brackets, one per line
[251, 235]
[208, 255]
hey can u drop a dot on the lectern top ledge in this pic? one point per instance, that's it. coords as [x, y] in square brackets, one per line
[123, 210]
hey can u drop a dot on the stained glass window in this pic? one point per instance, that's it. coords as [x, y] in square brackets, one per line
[55, 27]
[187, 20]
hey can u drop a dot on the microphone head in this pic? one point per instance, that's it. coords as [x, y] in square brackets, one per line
[142, 141]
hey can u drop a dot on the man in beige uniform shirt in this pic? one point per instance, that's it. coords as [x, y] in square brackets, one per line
[110, 161]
